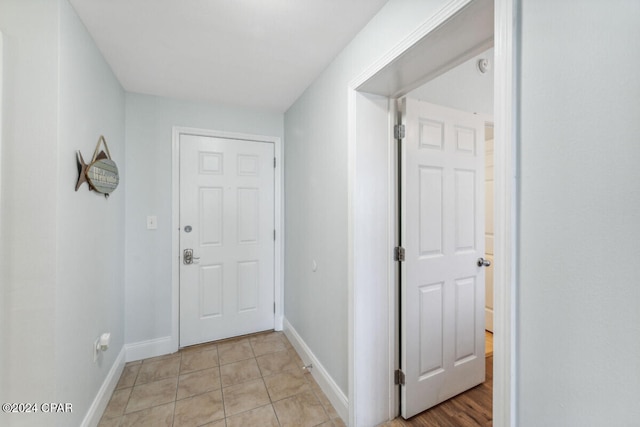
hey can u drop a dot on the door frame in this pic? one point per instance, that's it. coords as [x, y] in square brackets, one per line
[506, 42]
[175, 221]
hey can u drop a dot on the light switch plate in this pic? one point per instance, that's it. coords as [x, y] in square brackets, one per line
[152, 222]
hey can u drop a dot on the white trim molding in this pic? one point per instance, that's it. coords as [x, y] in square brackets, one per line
[447, 11]
[175, 222]
[100, 402]
[505, 208]
[337, 398]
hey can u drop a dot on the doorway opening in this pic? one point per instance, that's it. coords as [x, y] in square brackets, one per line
[463, 30]
[247, 164]
[442, 286]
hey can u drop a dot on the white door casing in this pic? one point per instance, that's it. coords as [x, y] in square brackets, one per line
[227, 198]
[506, 39]
[442, 231]
[489, 234]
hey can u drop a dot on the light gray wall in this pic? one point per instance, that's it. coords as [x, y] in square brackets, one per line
[316, 189]
[62, 261]
[579, 299]
[90, 242]
[463, 87]
[3, 271]
[149, 127]
[29, 199]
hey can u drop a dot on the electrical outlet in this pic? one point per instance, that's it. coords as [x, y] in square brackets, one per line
[96, 349]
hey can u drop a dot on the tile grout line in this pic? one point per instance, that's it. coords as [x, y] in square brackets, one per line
[124, 410]
[253, 344]
[224, 408]
[175, 400]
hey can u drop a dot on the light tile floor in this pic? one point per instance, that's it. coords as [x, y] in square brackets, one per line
[249, 381]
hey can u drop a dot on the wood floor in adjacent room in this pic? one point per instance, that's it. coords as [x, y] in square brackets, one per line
[472, 408]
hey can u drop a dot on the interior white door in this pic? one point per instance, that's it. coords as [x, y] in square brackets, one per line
[227, 221]
[442, 231]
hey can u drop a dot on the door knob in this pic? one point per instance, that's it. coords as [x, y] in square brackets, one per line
[483, 262]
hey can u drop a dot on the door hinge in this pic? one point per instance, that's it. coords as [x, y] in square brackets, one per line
[398, 131]
[398, 377]
[398, 254]
[274, 162]
[274, 234]
[274, 307]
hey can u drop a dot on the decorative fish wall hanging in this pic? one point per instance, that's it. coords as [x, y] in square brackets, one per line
[101, 175]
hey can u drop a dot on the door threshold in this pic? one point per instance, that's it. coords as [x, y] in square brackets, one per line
[230, 339]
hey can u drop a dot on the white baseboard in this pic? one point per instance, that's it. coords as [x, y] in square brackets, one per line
[104, 394]
[151, 348]
[337, 398]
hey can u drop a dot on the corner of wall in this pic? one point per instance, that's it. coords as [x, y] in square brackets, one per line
[3, 281]
[337, 398]
[149, 348]
[99, 404]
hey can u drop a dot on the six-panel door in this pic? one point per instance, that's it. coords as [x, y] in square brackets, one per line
[227, 219]
[442, 231]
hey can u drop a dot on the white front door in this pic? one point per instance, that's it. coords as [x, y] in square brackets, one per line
[442, 231]
[227, 229]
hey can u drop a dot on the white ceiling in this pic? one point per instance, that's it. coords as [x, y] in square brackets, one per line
[254, 53]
